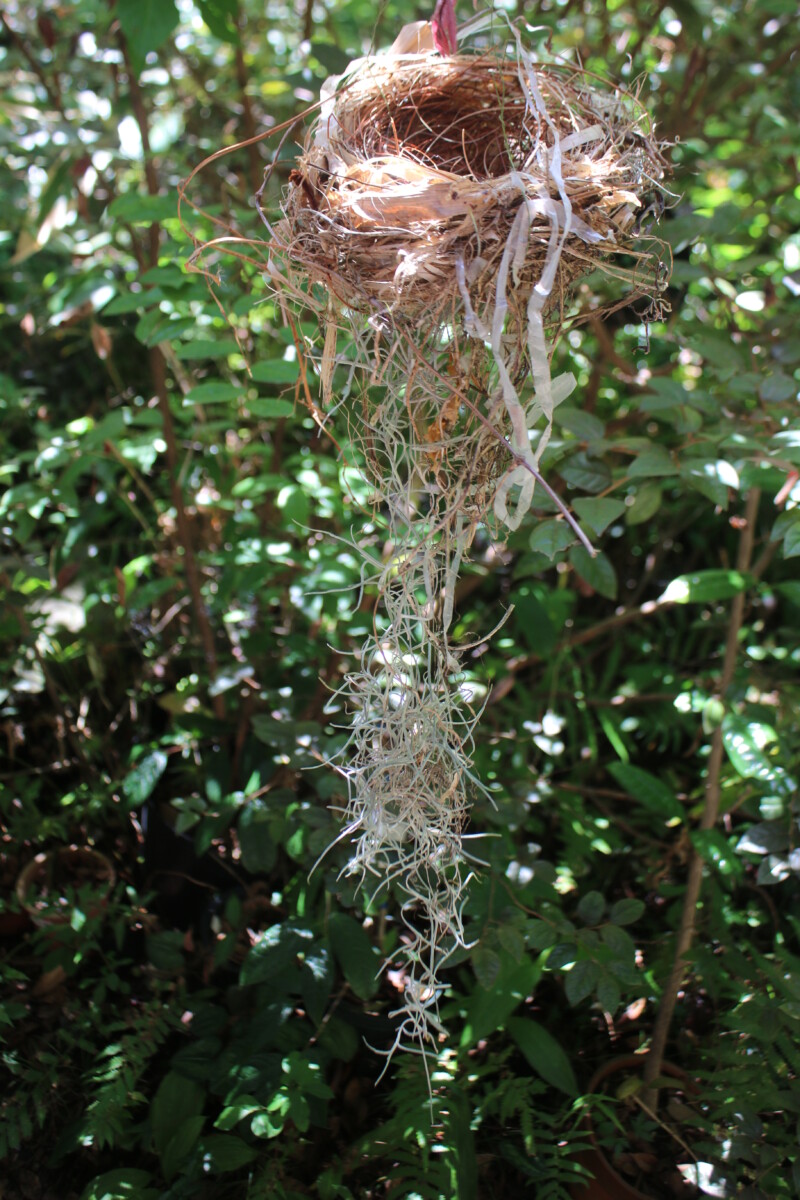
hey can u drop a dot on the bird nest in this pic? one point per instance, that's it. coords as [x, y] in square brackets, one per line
[437, 218]
[439, 214]
[417, 164]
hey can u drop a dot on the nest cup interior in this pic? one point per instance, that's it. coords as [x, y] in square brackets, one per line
[416, 162]
[468, 122]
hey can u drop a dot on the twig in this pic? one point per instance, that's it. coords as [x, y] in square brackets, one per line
[688, 922]
[247, 107]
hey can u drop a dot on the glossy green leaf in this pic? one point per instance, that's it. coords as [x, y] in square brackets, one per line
[177, 1102]
[544, 1054]
[746, 745]
[146, 24]
[486, 964]
[626, 912]
[646, 503]
[221, 16]
[591, 908]
[580, 980]
[123, 1183]
[598, 512]
[704, 587]
[652, 793]
[181, 1145]
[139, 784]
[596, 570]
[355, 954]
[225, 1152]
[551, 538]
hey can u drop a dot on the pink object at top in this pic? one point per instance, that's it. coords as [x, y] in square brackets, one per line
[443, 26]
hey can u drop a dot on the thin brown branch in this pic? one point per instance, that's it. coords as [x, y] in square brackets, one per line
[248, 117]
[140, 116]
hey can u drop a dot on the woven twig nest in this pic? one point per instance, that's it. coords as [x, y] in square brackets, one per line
[450, 204]
[416, 163]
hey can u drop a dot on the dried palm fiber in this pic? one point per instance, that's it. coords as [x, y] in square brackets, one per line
[438, 215]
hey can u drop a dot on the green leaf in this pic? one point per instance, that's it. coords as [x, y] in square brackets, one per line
[608, 993]
[259, 851]
[790, 590]
[355, 954]
[777, 388]
[626, 912]
[487, 1011]
[791, 543]
[618, 941]
[275, 370]
[646, 504]
[220, 17]
[334, 60]
[584, 425]
[562, 955]
[132, 302]
[165, 950]
[654, 463]
[591, 908]
[137, 208]
[596, 570]
[215, 392]
[462, 1141]
[274, 952]
[227, 1152]
[123, 1183]
[704, 587]
[745, 743]
[652, 793]
[551, 538]
[177, 1101]
[140, 783]
[201, 348]
[532, 622]
[270, 408]
[580, 980]
[512, 940]
[712, 715]
[543, 1054]
[486, 963]
[598, 512]
[181, 1145]
[270, 1124]
[714, 847]
[541, 935]
[766, 837]
[232, 1114]
[585, 474]
[146, 24]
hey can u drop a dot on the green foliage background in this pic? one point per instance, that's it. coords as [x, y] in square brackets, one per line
[180, 601]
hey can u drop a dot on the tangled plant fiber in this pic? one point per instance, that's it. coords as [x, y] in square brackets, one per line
[436, 220]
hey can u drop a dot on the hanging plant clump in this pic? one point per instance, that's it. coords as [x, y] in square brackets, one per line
[441, 211]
